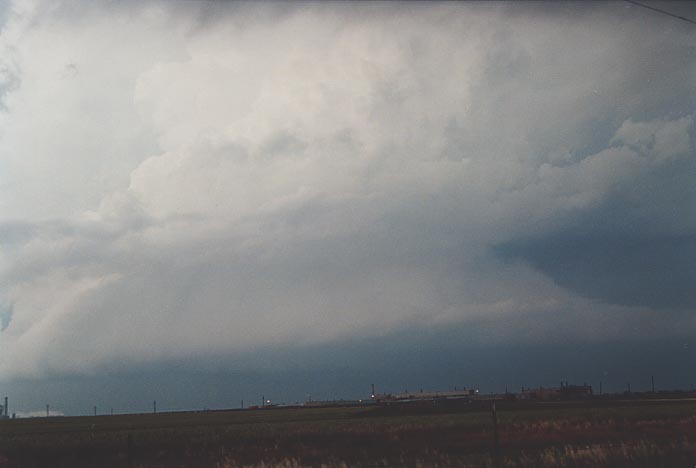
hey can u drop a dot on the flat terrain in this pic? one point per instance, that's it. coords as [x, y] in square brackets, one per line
[588, 434]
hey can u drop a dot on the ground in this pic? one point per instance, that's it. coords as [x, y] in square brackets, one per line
[595, 433]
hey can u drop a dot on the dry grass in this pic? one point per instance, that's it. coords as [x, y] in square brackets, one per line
[641, 453]
[530, 436]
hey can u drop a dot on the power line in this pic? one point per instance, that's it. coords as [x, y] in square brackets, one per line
[688, 20]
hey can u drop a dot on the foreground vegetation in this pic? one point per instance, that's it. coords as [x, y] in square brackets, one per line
[588, 434]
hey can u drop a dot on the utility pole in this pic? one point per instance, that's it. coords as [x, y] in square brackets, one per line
[154, 406]
[47, 406]
[95, 410]
[242, 404]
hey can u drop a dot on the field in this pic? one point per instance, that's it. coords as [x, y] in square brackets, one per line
[583, 434]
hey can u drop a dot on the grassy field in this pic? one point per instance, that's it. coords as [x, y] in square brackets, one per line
[588, 434]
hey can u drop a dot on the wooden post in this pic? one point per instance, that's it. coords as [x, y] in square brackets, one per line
[494, 415]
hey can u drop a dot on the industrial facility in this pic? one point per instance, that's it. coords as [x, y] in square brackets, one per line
[421, 395]
[564, 392]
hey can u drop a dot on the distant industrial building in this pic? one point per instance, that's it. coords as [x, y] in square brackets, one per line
[564, 392]
[421, 395]
[333, 403]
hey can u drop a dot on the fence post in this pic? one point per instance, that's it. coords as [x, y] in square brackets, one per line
[494, 415]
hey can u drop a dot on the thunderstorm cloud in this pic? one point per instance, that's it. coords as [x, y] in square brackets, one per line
[191, 179]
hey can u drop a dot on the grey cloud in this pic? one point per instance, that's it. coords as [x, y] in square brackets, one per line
[409, 359]
[5, 316]
[282, 144]
[328, 171]
[657, 272]
[15, 232]
[636, 246]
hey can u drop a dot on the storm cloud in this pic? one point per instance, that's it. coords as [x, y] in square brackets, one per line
[183, 180]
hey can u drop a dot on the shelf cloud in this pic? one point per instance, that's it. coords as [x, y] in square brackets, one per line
[184, 179]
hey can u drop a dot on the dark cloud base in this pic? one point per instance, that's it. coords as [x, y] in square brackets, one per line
[434, 358]
[656, 272]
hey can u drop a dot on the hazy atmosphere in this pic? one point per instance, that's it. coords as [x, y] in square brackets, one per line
[205, 202]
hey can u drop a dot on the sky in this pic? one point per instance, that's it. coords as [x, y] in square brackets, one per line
[203, 202]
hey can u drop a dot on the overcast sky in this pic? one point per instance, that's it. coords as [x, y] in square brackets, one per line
[208, 188]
